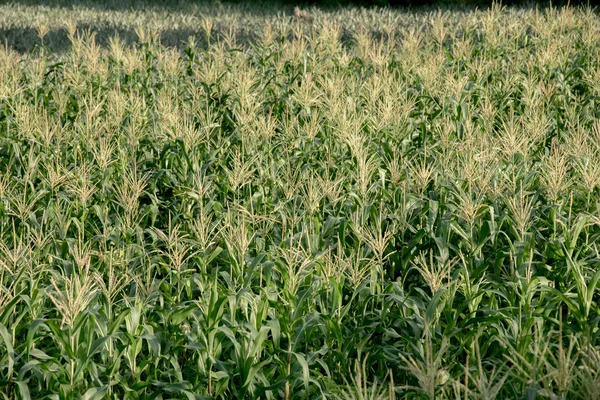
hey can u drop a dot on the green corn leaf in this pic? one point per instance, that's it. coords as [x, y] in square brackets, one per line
[10, 352]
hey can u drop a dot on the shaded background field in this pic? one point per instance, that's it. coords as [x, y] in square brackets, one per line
[177, 21]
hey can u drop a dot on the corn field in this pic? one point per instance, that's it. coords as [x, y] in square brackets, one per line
[348, 204]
